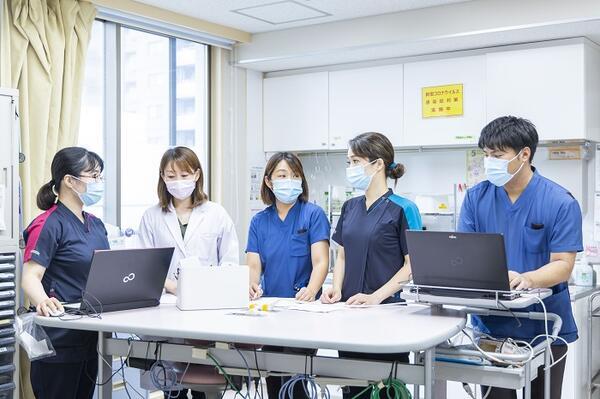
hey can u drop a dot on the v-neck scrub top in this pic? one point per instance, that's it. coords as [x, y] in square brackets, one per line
[60, 242]
[545, 219]
[374, 241]
[284, 246]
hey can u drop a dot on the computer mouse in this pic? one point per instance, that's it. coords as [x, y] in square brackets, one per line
[56, 313]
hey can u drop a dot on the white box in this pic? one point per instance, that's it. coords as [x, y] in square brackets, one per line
[212, 287]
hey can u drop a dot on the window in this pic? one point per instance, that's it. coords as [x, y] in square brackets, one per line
[185, 73]
[162, 101]
[91, 120]
[185, 138]
[191, 94]
[186, 106]
[144, 129]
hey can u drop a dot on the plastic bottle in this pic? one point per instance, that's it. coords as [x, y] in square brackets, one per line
[584, 273]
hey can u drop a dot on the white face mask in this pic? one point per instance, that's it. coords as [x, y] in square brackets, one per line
[181, 189]
[496, 170]
[357, 176]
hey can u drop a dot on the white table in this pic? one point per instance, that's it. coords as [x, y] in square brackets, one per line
[381, 329]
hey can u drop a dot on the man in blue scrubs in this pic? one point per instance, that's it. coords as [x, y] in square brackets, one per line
[541, 224]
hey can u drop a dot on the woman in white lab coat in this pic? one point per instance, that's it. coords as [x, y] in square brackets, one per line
[185, 219]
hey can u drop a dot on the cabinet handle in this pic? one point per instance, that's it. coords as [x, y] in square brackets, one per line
[333, 144]
[323, 144]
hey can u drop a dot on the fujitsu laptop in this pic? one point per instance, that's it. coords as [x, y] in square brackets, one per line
[125, 279]
[471, 265]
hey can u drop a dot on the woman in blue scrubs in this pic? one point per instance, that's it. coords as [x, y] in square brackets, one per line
[288, 242]
[541, 225]
[59, 247]
[372, 259]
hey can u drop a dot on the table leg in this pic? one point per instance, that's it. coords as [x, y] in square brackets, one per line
[104, 370]
[416, 387]
[527, 388]
[429, 372]
[547, 361]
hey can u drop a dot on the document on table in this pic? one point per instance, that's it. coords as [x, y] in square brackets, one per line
[292, 304]
[274, 302]
[318, 307]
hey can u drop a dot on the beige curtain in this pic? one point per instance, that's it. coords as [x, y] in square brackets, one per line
[47, 44]
[43, 48]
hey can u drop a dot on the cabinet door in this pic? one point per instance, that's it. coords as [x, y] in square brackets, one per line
[444, 130]
[544, 85]
[296, 112]
[7, 171]
[365, 100]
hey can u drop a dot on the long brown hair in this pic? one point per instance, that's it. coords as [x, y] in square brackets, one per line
[185, 159]
[266, 194]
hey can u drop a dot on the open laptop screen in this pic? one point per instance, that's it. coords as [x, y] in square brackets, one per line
[458, 260]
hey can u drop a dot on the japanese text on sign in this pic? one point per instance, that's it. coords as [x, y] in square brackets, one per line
[442, 100]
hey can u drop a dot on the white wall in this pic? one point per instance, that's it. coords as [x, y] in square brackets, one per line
[255, 157]
[229, 139]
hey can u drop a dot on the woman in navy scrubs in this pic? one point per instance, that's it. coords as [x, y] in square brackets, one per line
[288, 242]
[57, 259]
[372, 261]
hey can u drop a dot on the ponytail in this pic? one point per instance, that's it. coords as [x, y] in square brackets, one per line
[46, 196]
[395, 170]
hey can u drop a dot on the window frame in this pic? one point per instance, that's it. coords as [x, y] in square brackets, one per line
[112, 111]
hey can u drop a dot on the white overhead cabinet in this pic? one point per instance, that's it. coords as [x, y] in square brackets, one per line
[296, 114]
[421, 129]
[554, 87]
[365, 100]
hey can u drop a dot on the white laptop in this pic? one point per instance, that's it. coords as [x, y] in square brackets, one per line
[212, 287]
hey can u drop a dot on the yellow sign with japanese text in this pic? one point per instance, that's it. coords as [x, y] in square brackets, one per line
[442, 100]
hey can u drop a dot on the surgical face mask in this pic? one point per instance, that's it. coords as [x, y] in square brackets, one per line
[358, 178]
[287, 190]
[181, 189]
[496, 170]
[94, 191]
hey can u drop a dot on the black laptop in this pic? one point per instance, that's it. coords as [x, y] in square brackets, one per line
[125, 279]
[465, 262]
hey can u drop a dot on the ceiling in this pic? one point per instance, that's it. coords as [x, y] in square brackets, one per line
[256, 16]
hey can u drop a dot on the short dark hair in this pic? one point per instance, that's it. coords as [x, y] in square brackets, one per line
[374, 145]
[185, 159]
[70, 161]
[266, 194]
[509, 132]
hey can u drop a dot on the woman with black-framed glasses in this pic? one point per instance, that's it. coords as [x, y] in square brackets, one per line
[58, 254]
